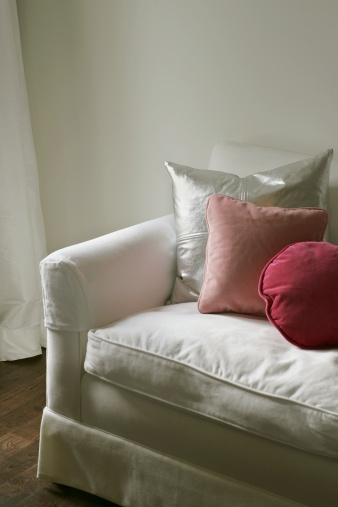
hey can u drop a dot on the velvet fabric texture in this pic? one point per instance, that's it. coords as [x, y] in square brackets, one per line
[299, 287]
[242, 239]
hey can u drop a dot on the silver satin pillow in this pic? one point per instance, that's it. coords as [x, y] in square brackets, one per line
[296, 185]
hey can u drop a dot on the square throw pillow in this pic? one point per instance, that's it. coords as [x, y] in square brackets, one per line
[300, 184]
[299, 287]
[243, 237]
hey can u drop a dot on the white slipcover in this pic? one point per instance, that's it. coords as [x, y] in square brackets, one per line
[222, 431]
[234, 369]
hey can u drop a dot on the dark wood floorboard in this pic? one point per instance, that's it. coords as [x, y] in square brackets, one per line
[22, 399]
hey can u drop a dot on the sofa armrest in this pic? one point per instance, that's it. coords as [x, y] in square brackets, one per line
[100, 281]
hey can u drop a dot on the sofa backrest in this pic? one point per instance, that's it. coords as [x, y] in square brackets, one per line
[244, 159]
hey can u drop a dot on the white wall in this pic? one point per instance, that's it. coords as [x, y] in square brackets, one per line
[116, 87]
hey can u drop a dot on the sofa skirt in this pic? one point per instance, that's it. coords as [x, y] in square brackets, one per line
[131, 475]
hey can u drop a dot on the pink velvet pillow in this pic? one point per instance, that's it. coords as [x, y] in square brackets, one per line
[243, 237]
[300, 288]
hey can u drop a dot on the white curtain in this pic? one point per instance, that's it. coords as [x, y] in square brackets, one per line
[22, 235]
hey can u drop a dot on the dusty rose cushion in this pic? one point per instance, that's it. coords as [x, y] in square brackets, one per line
[243, 237]
[300, 289]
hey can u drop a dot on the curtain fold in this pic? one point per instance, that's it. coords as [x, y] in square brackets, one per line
[22, 233]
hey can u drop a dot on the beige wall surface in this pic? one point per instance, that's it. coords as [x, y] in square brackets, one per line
[116, 87]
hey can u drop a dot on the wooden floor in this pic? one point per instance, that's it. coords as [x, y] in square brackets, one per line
[22, 398]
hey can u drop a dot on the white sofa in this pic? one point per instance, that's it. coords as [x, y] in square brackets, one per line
[158, 405]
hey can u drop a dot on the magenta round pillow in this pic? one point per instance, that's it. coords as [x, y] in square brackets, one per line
[300, 289]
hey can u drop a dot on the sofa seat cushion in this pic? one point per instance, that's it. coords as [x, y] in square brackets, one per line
[235, 369]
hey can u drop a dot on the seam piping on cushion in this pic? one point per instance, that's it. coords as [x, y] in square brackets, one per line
[92, 336]
[206, 416]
